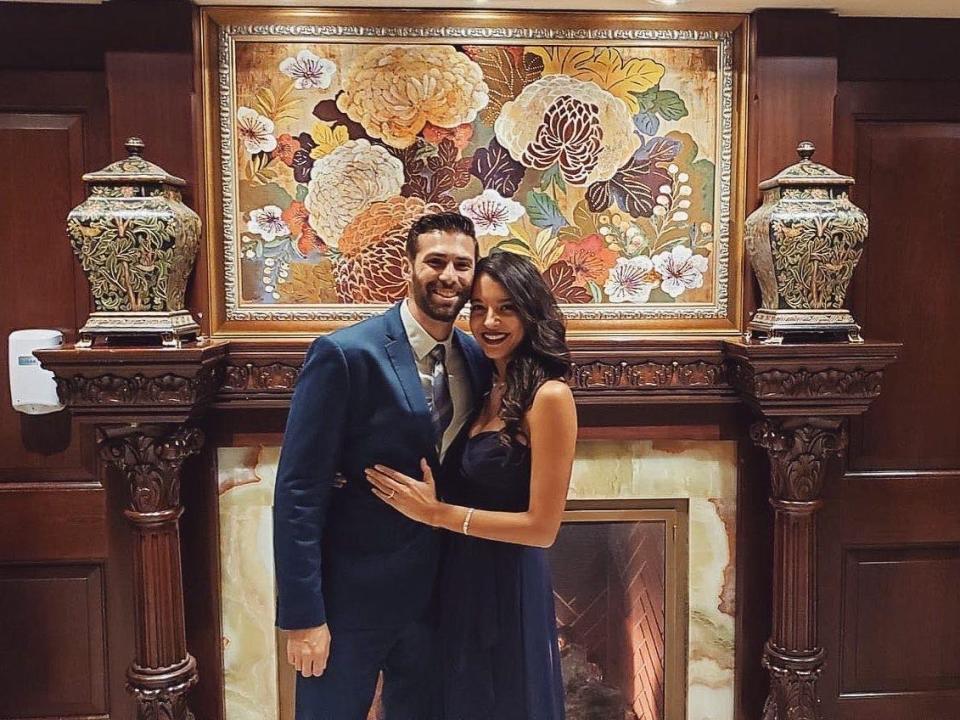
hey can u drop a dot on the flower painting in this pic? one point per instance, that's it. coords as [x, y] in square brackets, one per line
[607, 165]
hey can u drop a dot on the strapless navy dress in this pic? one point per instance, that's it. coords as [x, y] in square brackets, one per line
[498, 622]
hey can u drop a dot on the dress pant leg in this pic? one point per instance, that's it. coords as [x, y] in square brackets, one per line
[345, 690]
[412, 688]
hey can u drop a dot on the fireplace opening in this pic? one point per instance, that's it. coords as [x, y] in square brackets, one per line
[619, 578]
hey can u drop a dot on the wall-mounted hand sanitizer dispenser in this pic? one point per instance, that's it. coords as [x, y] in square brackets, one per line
[33, 390]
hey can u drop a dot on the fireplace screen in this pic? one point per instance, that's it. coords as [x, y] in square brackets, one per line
[615, 577]
[619, 582]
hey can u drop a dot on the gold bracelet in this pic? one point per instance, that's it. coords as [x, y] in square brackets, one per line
[466, 521]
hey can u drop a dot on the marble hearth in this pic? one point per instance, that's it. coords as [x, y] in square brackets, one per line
[661, 513]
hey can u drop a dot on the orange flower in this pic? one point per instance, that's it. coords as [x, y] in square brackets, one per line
[286, 147]
[590, 258]
[297, 218]
[461, 134]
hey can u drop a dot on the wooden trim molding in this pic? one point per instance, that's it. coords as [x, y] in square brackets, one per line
[146, 403]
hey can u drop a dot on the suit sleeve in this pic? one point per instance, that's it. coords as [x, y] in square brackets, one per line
[309, 461]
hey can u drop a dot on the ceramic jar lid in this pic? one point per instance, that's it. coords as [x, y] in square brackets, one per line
[133, 170]
[806, 172]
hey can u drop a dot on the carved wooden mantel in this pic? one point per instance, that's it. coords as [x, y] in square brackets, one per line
[147, 403]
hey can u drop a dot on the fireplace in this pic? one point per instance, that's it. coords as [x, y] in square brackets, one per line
[620, 586]
[643, 581]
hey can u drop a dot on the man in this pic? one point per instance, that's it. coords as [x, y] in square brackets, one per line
[355, 578]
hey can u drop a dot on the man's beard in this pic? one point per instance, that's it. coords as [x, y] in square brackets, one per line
[423, 297]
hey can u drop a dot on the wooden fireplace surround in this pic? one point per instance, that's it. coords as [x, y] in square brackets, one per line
[152, 408]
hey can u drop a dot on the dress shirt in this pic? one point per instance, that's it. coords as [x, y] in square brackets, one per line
[458, 377]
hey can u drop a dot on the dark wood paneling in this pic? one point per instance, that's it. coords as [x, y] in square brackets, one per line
[52, 647]
[902, 143]
[885, 49]
[882, 651]
[48, 148]
[793, 82]
[46, 521]
[53, 128]
[889, 564]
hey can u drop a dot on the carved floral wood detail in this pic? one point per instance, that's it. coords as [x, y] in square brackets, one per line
[800, 392]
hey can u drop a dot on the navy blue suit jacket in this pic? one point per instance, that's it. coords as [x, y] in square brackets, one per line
[342, 555]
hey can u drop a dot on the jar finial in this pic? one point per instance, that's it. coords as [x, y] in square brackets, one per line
[805, 150]
[134, 147]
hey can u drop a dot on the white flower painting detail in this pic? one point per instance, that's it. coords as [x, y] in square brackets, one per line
[492, 213]
[267, 222]
[681, 270]
[631, 280]
[309, 70]
[255, 130]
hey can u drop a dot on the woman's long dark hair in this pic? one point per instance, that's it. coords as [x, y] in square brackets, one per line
[543, 354]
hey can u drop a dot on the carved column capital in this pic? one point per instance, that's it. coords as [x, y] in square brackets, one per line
[151, 457]
[799, 449]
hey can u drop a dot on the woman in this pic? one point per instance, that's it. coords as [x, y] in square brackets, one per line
[498, 629]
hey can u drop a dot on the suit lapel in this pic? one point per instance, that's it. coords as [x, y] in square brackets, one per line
[404, 365]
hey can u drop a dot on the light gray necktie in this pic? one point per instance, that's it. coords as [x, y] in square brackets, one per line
[441, 405]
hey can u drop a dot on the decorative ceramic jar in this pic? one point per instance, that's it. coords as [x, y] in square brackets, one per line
[137, 243]
[804, 243]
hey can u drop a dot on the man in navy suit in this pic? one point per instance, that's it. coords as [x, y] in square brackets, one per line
[355, 578]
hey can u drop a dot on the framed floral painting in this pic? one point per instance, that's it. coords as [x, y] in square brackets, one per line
[606, 148]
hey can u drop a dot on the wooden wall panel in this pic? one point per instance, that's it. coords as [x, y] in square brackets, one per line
[52, 648]
[53, 520]
[46, 521]
[47, 290]
[906, 289]
[890, 532]
[883, 588]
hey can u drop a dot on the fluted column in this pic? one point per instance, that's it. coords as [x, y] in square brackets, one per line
[799, 449]
[151, 458]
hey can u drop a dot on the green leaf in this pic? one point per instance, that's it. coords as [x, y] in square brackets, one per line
[647, 100]
[553, 176]
[670, 106]
[595, 291]
[301, 193]
[543, 211]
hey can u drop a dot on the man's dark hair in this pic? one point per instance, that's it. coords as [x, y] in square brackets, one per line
[444, 222]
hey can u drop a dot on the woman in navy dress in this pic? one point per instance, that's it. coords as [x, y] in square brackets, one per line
[505, 505]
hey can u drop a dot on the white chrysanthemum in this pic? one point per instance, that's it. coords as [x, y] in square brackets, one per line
[267, 222]
[309, 70]
[681, 270]
[393, 91]
[631, 280]
[518, 125]
[345, 182]
[491, 212]
[255, 130]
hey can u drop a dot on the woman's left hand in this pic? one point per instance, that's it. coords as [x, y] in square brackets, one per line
[414, 498]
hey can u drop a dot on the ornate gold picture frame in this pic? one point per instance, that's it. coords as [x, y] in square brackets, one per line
[607, 148]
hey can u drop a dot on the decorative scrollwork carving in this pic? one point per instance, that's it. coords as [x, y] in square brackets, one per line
[164, 704]
[798, 454]
[793, 694]
[802, 383]
[151, 462]
[249, 376]
[648, 374]
[166, 389]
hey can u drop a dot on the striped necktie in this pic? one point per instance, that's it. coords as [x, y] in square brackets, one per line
[441, 405]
